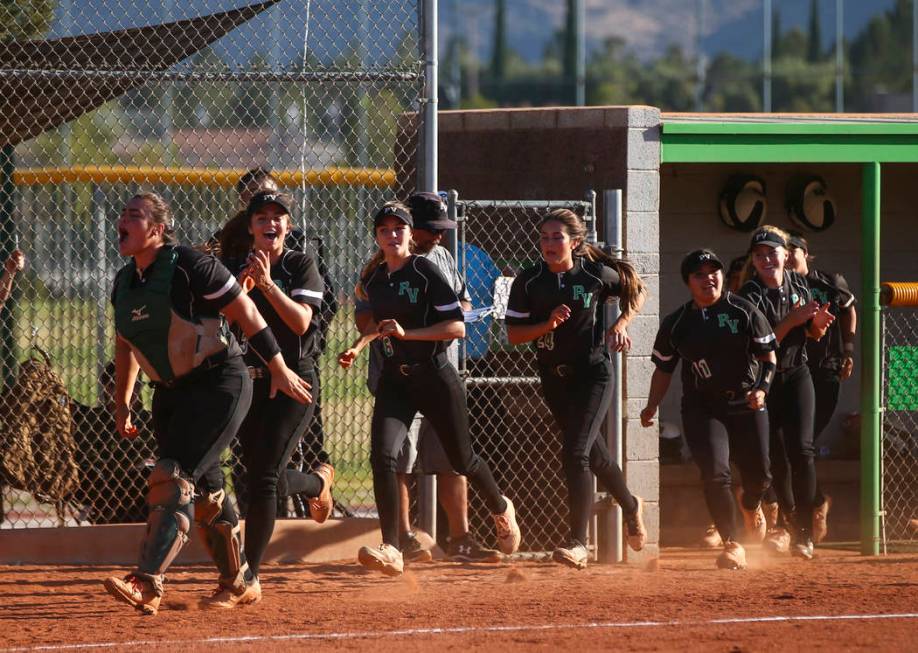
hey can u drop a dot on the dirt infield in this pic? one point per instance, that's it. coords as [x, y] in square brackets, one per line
[838, 601]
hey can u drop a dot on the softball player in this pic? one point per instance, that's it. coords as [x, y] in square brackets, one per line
[288, 293]
[785, 299]
[830, 359]
[727, 351]
[557, 304]
[416, 313]
[423, 452]
[168, 302]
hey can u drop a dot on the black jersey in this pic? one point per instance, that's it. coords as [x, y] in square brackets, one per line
[718, 344]
[775, 304]
[831, 289]
[201, 285]
[416, 296]
[295, 274]
[537, 291]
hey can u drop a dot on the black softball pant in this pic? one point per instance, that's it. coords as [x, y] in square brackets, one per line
[195, 420]
[579, 403]
[435, 390]
[745, 441]
[827, 386]
[268, 436]
[791, 409]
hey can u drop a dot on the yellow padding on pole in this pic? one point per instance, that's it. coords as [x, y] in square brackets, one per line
[227, 178]
[899, 293]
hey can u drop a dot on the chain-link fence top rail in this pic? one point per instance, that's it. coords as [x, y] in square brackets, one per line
[900, 423]
[510, 423]
[102, 98]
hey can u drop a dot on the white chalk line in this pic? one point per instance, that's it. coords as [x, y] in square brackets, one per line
[461, 630]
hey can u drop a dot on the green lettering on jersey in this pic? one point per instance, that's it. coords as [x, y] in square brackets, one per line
[820, 295]
[580, 292]
[404, 288]
[724, 321]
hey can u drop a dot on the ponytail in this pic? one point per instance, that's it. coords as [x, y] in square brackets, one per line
[235, 239]
[633, 288]
[360, 290]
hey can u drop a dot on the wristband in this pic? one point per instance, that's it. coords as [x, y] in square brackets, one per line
[264, 344]
[765, 376]
[849, 347]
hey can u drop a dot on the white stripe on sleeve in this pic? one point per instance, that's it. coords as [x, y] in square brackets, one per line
[447, 307]
[766, 339]
[222, 291]
[662, 357]
[302, 292]
[511, 313]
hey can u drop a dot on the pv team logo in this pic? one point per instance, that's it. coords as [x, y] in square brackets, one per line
[138, 314]
[404, 288]
[724, 322]
[581, 293]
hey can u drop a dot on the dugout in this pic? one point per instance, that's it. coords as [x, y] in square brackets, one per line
[672, 169]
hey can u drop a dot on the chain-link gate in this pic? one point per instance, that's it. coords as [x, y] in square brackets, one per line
[100, 99]
[510, 422]
[900, 425]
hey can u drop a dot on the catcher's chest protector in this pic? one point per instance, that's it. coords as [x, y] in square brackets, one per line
[166, 345]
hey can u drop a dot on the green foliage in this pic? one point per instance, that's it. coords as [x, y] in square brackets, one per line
[21, 20]
[803, 75]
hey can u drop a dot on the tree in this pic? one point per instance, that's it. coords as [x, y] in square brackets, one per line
[25, 19]
[500, 54]
[569, 52]
[814, 35]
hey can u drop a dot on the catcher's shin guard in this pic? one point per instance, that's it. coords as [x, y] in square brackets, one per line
[169, 496]
[222, 539]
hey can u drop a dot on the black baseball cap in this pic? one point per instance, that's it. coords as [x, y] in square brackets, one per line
[694, 260]
[429, 211]
[767, 237]
[798, 241]
[265, 197]
[393, 210]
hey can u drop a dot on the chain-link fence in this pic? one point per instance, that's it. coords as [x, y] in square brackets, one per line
[510, 421]
[101, 98]
[900, 425]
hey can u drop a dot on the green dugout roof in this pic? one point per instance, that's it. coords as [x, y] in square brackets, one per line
[789, 138]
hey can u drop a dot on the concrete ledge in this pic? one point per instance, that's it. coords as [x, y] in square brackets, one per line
[294, 540]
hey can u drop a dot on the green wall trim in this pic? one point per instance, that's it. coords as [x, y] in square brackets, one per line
[788, 148]
[772, 128]
[789, 143]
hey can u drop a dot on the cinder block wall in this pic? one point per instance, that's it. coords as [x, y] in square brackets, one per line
[560, 153]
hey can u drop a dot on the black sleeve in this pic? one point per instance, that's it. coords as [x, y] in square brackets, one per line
[440, 293]
[306, 284]
[519, 309]
[762, 336]
[209, 280]
[800, 285]
[664, 355]
[845, 296]
[611, 281]
[752, 293]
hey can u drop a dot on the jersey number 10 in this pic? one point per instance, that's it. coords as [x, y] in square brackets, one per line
[701, 369]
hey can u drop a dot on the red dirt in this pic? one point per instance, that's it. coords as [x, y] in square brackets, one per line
[540, 606]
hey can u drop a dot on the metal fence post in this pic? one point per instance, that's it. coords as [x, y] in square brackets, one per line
[610, 540]
[427, 483]
[870, 371]
[101, 275]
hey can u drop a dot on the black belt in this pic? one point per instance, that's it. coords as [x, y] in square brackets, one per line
[410, 369]
[209, 363]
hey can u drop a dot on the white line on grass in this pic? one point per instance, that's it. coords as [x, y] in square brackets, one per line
[461, 630]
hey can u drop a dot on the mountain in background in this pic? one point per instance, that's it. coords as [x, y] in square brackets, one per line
[647, 26]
